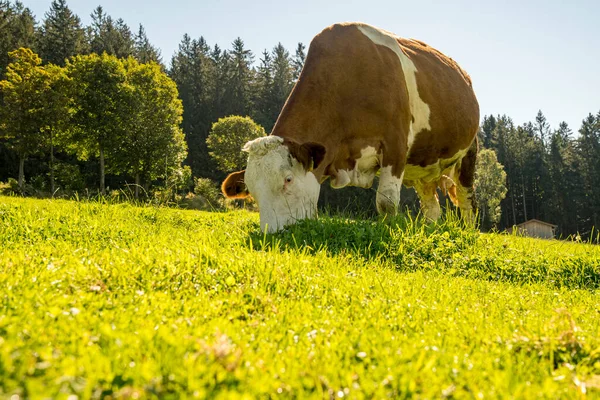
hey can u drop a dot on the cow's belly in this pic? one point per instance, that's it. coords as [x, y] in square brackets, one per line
[431, 172]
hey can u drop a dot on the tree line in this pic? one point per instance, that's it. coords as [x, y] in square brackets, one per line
[551, 174]
[116, 110]
[211, 83]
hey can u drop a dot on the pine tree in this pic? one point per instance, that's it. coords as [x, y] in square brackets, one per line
[542, 128]
[123, 39]
[17, 29]
[111, 37]
[562, 194]
[144, 51]
[588, 149]
[298, 60]
[222, 64]
[23, 27]
[283, 79]
[263, 101]
[238, 90]
[61, 35]
[193, 70]
[486, 138]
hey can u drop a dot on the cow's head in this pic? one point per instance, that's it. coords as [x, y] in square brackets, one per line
[279, 178]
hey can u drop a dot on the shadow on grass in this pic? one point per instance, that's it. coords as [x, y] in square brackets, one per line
[410, 244]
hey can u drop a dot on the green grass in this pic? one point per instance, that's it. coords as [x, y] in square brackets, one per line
[117, 301]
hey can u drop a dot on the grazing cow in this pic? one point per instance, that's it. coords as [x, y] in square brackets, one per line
[366, 101]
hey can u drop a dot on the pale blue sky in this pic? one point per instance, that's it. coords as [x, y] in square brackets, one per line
[522, 55]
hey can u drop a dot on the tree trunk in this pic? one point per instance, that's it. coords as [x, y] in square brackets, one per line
[22, 173]
[51, 164]
[137, 185]
[102, 189]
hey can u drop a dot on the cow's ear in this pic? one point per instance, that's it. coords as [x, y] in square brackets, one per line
[233, 186]
[309, 154]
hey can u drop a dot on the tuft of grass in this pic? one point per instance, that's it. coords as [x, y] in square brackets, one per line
[104, 300]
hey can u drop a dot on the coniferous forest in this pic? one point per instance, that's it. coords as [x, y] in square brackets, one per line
[95, 124]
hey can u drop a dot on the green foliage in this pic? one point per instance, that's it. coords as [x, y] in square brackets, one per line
[275, 78]
[17, 29]
[550, 175]
[282, 77]
[13, 186]
[61, 35]
[109, 36]
[490, 186]
[226, 139]
[238, 89]
[298, 61]
[209, 191]
[154, 302]
[99, 91]
[144, 51]
[23, 107]
[200, 90]
[152, 144]
[26, 111]
[182, 178]
[68, 177]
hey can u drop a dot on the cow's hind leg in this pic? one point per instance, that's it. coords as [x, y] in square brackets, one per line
[464, 195]
[388, 191]
[430, 205]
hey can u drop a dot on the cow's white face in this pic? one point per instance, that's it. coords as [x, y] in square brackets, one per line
[279, 178]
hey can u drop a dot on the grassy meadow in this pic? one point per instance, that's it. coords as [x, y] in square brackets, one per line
[123, 302]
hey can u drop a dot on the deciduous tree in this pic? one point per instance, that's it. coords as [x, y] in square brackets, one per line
[226, 139]
[99, 90]
[490, 187]
[23, 112]
[153, 143]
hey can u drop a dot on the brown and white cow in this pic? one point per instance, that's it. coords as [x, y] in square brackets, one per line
[366, 101]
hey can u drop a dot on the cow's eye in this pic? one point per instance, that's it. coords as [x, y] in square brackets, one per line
[289, 179]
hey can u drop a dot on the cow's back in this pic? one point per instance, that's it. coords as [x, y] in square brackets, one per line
[454, 115]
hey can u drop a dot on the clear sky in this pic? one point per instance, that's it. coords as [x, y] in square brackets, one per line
[522, 55]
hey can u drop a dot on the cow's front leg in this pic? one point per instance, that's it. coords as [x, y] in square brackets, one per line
[388, 192]
[430, 205]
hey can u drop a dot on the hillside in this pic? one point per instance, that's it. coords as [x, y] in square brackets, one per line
[132, 302]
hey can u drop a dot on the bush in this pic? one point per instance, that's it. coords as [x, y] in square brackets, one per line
[226, 139]
[38, 183]
[209, 192]
[182, 178]
[68, 177]
[13, 186]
